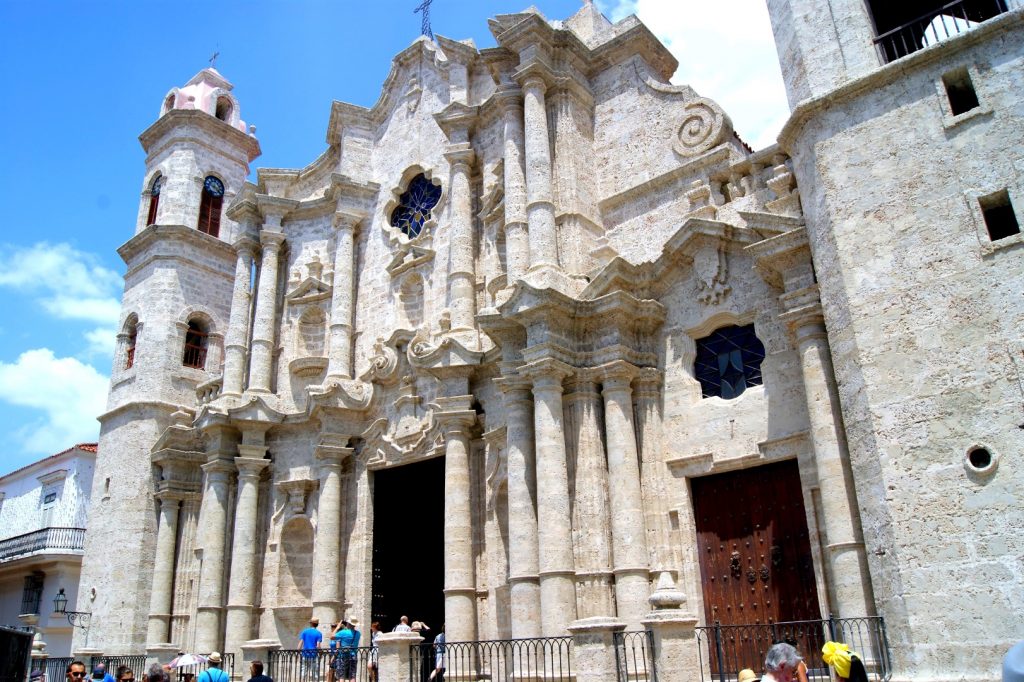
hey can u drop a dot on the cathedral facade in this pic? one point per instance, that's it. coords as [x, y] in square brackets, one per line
[538, 332]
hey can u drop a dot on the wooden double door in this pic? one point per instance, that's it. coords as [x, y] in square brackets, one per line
[755, 552]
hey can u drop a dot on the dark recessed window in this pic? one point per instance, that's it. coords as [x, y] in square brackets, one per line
[960, 91]
[195, 346]
[223, 110]
[154, 199]
[729, 361]
[50, 498]
[415, 205]
[910, 25]
[1000, 219]
[209, 206]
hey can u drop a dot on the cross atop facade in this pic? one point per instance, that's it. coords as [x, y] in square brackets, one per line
[425, 25]
[213, 60]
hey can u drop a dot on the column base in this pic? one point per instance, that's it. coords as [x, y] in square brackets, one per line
[255, 650]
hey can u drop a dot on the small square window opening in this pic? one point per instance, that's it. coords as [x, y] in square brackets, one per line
[960, 91]
[1000, 219]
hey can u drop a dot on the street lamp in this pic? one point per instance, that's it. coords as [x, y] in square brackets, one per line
[78, 619]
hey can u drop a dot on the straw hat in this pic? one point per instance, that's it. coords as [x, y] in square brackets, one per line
[746, 675]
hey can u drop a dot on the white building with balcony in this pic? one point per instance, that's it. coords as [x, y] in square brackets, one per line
[43, 509]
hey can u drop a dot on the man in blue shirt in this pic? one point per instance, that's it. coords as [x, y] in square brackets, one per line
[345, 663]
[309, 642]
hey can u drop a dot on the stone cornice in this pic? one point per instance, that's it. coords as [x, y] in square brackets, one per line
[158, 235]
[456, 51]
[776, 255]
[896, 70]
[183, 118]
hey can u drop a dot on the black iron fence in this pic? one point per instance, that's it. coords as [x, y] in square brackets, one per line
[939, 24]
[547, 658]
[43, 539]
[634, 656]
[322, 665]
[727, 649]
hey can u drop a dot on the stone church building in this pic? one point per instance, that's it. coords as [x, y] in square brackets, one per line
[538, 332]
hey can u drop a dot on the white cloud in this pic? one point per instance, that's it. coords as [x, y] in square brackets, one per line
[101, 341]
[69, 284]
[726, 52]
[70, 393]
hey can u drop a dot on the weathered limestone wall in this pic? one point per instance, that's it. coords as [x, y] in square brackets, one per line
[924, 316]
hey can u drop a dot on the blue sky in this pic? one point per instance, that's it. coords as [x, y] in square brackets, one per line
[85, 78]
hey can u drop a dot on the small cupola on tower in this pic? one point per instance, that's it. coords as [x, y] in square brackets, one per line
[210, 92]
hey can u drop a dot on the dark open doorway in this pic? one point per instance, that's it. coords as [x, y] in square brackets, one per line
[408, 545]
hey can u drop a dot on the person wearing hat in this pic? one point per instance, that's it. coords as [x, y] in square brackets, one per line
[345, 660]
[847, 663]
[747, 675]
[309, 642]
[213, 673]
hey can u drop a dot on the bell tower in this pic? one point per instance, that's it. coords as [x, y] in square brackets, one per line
[181, 264]
[906, 138]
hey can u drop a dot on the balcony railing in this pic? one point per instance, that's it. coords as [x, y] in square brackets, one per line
[46, 539]
[940, 23]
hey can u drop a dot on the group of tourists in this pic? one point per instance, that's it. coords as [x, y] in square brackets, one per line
[783, 663]
[76, 672]
[344, 650]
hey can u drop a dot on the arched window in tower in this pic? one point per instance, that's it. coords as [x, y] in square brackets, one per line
[131, 331]
[223, 110]
[210, 205]
[154, 199]
[414, 205]
[196, 342]
[729, 361]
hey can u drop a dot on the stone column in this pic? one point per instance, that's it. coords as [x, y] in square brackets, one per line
[160, 602]
[462, 273]
[342, 295]
[540, 209]
[646, 401]
[236, 341]
[850, 582]
[594, 561]
[523, 566]
[554, 532]
[459, 575]
[242, 583]
[262, 360]
[213, 522]
[629, 541]
[517, 244]
[593, 642]
[327, 604]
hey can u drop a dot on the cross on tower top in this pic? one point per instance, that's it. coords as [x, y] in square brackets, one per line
[213, 60]
[425, 24]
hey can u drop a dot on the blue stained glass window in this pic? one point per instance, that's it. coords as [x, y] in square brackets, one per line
[729, 361]
[415, 205]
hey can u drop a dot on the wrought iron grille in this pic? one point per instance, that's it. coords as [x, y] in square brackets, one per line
[547, 658]
[44, 539]
[727, 649]
[296, 665]
[56, 668]
[32, 594]
[939, 24]
[634, 656]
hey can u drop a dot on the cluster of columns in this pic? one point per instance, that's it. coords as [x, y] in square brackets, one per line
[255, 337]
[614, 563]
[247, 468]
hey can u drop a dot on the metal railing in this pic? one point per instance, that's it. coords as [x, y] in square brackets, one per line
[182, 673]
[726, 649]
[941, 23]
[55, 667]
[546, 658]
[43, 539]
[296, 665]
[634, 656]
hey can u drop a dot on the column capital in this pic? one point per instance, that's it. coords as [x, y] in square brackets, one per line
[250, 467]
[455, 423]
[218, 469]
[346, 221]
[331, 455]
[170, 498]
[509, 98]
[803, 313]
[583, 385]
[271, 240]
[460, 156]
[246, 246]
[535, 75]
[251, 451]
[648, 382]
[618, 375]
[546, 373]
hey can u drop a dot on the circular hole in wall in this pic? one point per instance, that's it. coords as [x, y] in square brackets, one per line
[980, 460]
